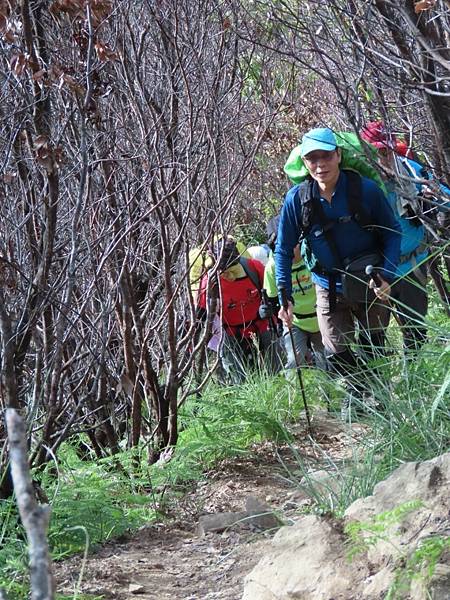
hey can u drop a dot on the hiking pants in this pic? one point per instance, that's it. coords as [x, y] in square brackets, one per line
[239, 354]
[302, 341]
[338, 327]
[409, 296]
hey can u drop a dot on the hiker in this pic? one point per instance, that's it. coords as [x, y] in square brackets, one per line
[406, 195]
[347, 225]
[305, 328]
[199, 263]
[246, 335]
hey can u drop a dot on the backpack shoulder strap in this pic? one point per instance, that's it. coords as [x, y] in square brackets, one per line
[305, 194]
[251, 273]
[355, 204]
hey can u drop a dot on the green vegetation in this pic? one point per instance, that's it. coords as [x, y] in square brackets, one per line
[363, 535]
[96, 501]
[420, 565]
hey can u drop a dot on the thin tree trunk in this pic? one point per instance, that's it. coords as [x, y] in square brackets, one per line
[35, 517]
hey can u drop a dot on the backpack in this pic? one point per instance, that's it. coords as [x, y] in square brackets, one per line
[242, 310]
[200, 262]
[353, 271]
[355, 156]
[252, 274]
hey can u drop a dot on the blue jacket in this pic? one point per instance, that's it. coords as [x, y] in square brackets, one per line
[351, 239]
[423, 173]
[412, 248]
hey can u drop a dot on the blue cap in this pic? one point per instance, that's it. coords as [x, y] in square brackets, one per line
[320, 138]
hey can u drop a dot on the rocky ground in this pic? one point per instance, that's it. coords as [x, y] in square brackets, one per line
[178, 559]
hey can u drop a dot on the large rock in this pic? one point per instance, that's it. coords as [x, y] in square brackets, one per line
[309, 560]
[306, 562]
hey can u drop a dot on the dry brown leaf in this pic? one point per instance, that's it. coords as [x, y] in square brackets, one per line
[39, 75]
[7, 29]
[73, 8]
[9, 177]
[424, 5]
[104, 53]
[76, 9]
[19, 63]
[54, 72]
[9, 37]
[101, 9]
[71, 83]
[40, 141]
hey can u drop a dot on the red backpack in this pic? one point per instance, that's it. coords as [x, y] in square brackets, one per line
[241, 299]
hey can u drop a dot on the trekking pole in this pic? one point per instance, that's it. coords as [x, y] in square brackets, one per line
[370, 271]
[284, 304]
[265, 299]
[274, 351]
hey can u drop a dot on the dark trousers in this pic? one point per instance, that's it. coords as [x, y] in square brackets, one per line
[239, 354]
[410, 299]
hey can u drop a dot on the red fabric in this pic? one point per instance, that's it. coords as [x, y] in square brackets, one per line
[240, 300]
[376, 134]
[402, 148]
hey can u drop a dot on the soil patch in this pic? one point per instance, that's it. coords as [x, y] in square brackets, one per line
[172, 561]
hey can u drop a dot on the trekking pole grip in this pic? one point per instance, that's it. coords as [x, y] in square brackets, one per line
[373, 275]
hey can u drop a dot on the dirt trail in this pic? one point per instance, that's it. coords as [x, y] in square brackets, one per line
[171, 561]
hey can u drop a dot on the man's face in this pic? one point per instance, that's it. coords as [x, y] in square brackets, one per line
[323, 166]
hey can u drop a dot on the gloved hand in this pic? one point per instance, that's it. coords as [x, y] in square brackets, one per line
[265, 311]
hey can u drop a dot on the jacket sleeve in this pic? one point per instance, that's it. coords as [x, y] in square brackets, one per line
[269, 279]
[289, 231]
[442, 203]
[388, 228]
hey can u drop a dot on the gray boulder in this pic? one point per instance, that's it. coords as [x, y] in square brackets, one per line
[407, 513]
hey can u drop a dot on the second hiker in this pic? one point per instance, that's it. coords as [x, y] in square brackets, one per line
[305, 330]
[246, 335]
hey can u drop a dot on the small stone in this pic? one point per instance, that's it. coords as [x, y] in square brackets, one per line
[135, 588]
[261, 516]
[219, 522]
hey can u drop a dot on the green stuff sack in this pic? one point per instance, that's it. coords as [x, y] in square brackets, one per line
[353, 158]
